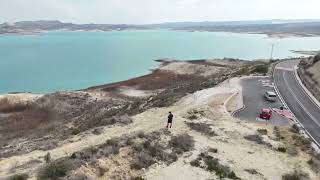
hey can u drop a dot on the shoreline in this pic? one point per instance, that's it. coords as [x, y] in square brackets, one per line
[305, 52]
[136, 80]
[275, 35]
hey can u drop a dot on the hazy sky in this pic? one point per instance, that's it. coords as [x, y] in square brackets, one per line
[154, 11]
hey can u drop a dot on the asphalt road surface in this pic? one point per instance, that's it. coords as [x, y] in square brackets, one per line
[253, 98]
[300, 104]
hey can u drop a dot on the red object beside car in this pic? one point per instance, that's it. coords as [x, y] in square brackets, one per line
[266, 114]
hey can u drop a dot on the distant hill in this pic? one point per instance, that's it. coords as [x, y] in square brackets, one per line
[276, 27]
[23, 27]
[229, 23]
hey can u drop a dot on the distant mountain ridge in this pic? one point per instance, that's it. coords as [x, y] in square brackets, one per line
[26, 27]
[302, 27]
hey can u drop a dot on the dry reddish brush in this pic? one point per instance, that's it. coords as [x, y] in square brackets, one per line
[37, 120]
[6, 106]
[33, 116]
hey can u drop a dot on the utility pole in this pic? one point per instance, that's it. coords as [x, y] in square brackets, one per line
[271, 55]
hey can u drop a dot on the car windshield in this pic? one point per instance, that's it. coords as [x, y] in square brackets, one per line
[265, 111]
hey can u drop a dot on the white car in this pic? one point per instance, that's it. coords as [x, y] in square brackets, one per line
[270, 96]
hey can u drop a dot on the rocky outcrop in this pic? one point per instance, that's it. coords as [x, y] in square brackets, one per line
[310, 75]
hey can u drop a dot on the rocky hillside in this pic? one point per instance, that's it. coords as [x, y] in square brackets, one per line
[310, 74]
[117, 131]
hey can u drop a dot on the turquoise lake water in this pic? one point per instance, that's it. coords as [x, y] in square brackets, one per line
[75, 60]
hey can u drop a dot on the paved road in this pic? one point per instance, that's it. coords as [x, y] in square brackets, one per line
[306, 112]
[253, 91]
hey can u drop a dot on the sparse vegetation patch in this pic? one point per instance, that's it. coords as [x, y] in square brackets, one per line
[258, 139]
[213, 165]
[262, 131]
[55, 170]
[181, 143]
[302, 142]
[261, 69]
[203, 128]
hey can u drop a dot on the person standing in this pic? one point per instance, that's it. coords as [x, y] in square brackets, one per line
[170, 118]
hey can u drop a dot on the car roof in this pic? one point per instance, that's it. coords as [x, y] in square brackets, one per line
[265, 110]
[271, 93]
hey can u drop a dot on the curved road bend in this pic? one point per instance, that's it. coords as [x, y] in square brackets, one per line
[300, 104]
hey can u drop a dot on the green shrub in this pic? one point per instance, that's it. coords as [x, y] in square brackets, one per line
[282, 149]
[316, 58]
[19, 177]
[75, 131]
[55, 170]
[137, 178]
[195, 163]
[213, 165]
[47, 157]
[220, 170]
[262, 68]
[244, 71]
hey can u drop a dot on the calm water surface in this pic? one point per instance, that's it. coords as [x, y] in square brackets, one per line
[74, 60]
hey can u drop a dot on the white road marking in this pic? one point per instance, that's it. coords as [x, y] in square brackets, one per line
[283, 68]
[299, 102]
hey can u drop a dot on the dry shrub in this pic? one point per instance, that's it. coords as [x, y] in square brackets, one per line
[55, 170]
[142, 160]
[262, 131]
[302, 142]
[282, 149]
[213, 165]
[47, 157]
[150, 152]
[19, 177]
[9, 107]
[293, 151]
[203, 128]
[258, 139]
[252, 171]
[213, 150]
[314, 162]
[33, 117]
[182, 143]
[194, 114]
[277, 133]
[296, 176]
[91, 154]
[316, 58]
